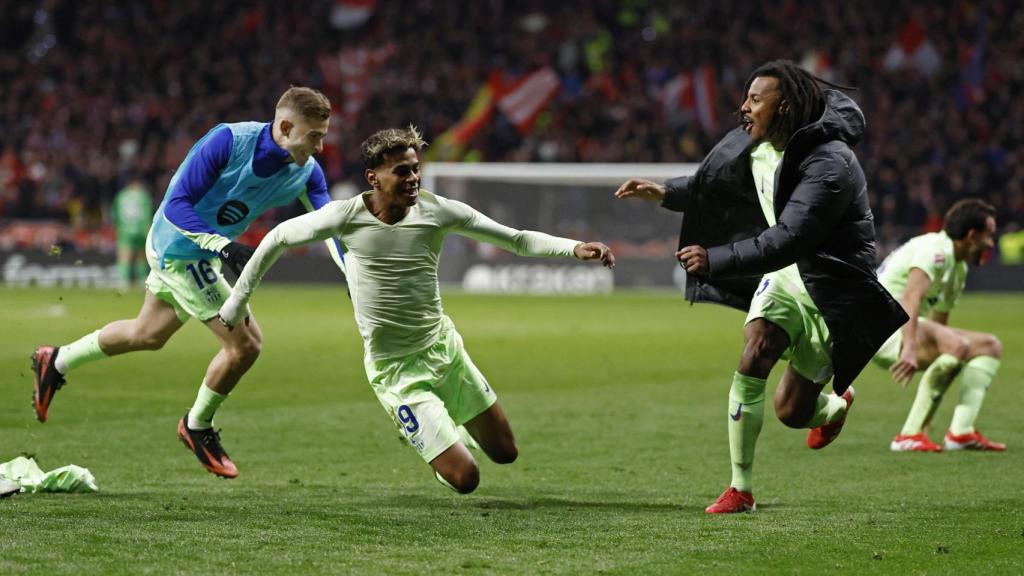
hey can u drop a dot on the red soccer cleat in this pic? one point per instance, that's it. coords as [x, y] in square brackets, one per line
[818, 438]
[205, 444]
[47, 380]
[732, 501]
[913, 443]
[972, 441]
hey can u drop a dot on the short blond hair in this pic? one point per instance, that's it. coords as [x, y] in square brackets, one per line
[388, 141]
[307, 102]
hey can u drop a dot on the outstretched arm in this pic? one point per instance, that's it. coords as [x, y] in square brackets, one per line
[320, 225]
[641, 189]
[316, 197]
[673, 195]
[474, 224]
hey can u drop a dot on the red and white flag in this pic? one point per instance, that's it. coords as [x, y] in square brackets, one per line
[913, 49]
[522, 100]
[693, 94]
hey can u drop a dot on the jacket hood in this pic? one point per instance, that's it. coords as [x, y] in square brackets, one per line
[841, 120]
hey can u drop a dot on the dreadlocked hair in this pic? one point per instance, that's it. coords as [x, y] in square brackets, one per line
[801, 91]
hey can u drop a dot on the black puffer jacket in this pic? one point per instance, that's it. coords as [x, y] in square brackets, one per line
[824, 226]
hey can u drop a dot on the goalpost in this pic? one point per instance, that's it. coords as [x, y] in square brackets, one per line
[571, 200]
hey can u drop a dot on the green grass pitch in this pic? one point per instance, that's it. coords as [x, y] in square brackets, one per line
[619, 406]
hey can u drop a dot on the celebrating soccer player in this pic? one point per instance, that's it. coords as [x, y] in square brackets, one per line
[230, 176]
[928, 274]
[784, 196]
[414, 358]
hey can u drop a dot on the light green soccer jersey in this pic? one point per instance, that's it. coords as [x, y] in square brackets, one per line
[132, 212]
[391, 268]
[933, 255]
[764, 160]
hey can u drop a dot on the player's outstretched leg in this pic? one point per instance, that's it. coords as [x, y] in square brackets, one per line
[156, 322]
[205, 444]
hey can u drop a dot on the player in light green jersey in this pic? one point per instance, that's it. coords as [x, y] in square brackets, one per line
[927, 275]
[132, 213]
[414, 358]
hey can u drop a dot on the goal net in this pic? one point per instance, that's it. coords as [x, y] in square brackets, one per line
[570, 200]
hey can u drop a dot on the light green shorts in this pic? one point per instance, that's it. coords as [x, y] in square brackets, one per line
[810, 344]
[431, 392]
[195, 288]
[889, 353]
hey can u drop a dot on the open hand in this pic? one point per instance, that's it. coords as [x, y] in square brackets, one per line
[642, 189]
[904, 368]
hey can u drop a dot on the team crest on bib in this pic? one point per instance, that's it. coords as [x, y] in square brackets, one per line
[232, 212]
[940, 259]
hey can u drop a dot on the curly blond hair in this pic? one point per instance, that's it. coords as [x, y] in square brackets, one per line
[388, 141]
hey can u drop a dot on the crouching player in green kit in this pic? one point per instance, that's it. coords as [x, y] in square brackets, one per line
[927, 275]
[414, 358]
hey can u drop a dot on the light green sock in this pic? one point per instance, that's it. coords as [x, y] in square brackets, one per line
[746, 415]
[828, 409]
[81, 351]
[975, 379]
[200, 417]
[934, 383]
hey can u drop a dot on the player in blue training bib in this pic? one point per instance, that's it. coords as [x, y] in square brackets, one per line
[231, 176]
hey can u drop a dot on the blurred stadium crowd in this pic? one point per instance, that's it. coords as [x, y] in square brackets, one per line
[94, 92]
